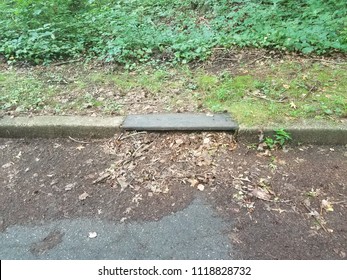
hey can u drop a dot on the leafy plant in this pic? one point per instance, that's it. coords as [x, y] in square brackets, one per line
[142, 31]
[281, 137]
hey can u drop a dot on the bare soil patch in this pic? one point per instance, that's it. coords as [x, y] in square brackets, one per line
[289, 204]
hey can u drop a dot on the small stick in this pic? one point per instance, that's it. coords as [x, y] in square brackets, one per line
[339, 202]
[85, 142]
[219, 48]
[141, 149]
[135, 102]
[258, 59]
[102, 178]
[120, 136]
[78, 141]
[265, 98]
[329, 61]
[241, 179]
[130, 135]
[227, 59]
[315, 217]
[66, 62]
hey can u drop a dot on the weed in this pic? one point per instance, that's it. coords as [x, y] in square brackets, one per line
[281, 137]
[207, 82]
[314, 193]
[252, 146]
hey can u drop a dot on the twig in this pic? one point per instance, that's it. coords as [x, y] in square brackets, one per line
[258, 59]
[131, 135]
[217, 48]
[339, 202]
[85, 142]
[138, 150]
[241, 179]
[102, 178]
[79, 141]
[329, 61]
[135, 102]
[267, 99]
[227, 59]
[310, 90]
[120, 136]
[318, 220]
[66, 62]
[141, 149]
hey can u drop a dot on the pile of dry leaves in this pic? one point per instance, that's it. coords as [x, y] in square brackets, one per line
[151, 164]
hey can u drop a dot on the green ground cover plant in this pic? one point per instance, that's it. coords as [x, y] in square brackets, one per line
[280, 138]
[132, 32]
[281, 93]
[276, 92]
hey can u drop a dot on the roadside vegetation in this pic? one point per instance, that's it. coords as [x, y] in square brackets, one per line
[278, 92]
[179, 31]
[263, 61]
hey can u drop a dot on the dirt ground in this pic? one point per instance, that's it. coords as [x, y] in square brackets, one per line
[285, 204]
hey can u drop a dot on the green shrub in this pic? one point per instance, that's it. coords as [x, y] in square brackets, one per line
[136, 31]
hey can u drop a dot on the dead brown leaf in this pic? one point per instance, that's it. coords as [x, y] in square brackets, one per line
[326, 205]
[92, 234]
[193, 182]
[7, 165]
[179, 142]
[102, 177]
[69, 187]
[83, 196]
[293, 105]
[261, 194]
[200, 187]
[122, 183]
[80, 147]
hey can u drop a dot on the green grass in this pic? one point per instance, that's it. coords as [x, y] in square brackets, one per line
[23, 93]
[284, 93]
[26, 92]
[263, 94]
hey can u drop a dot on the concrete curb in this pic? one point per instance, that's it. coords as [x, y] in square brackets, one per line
[307, 132]
[180, 122]
[59, 126]
[307, 135]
